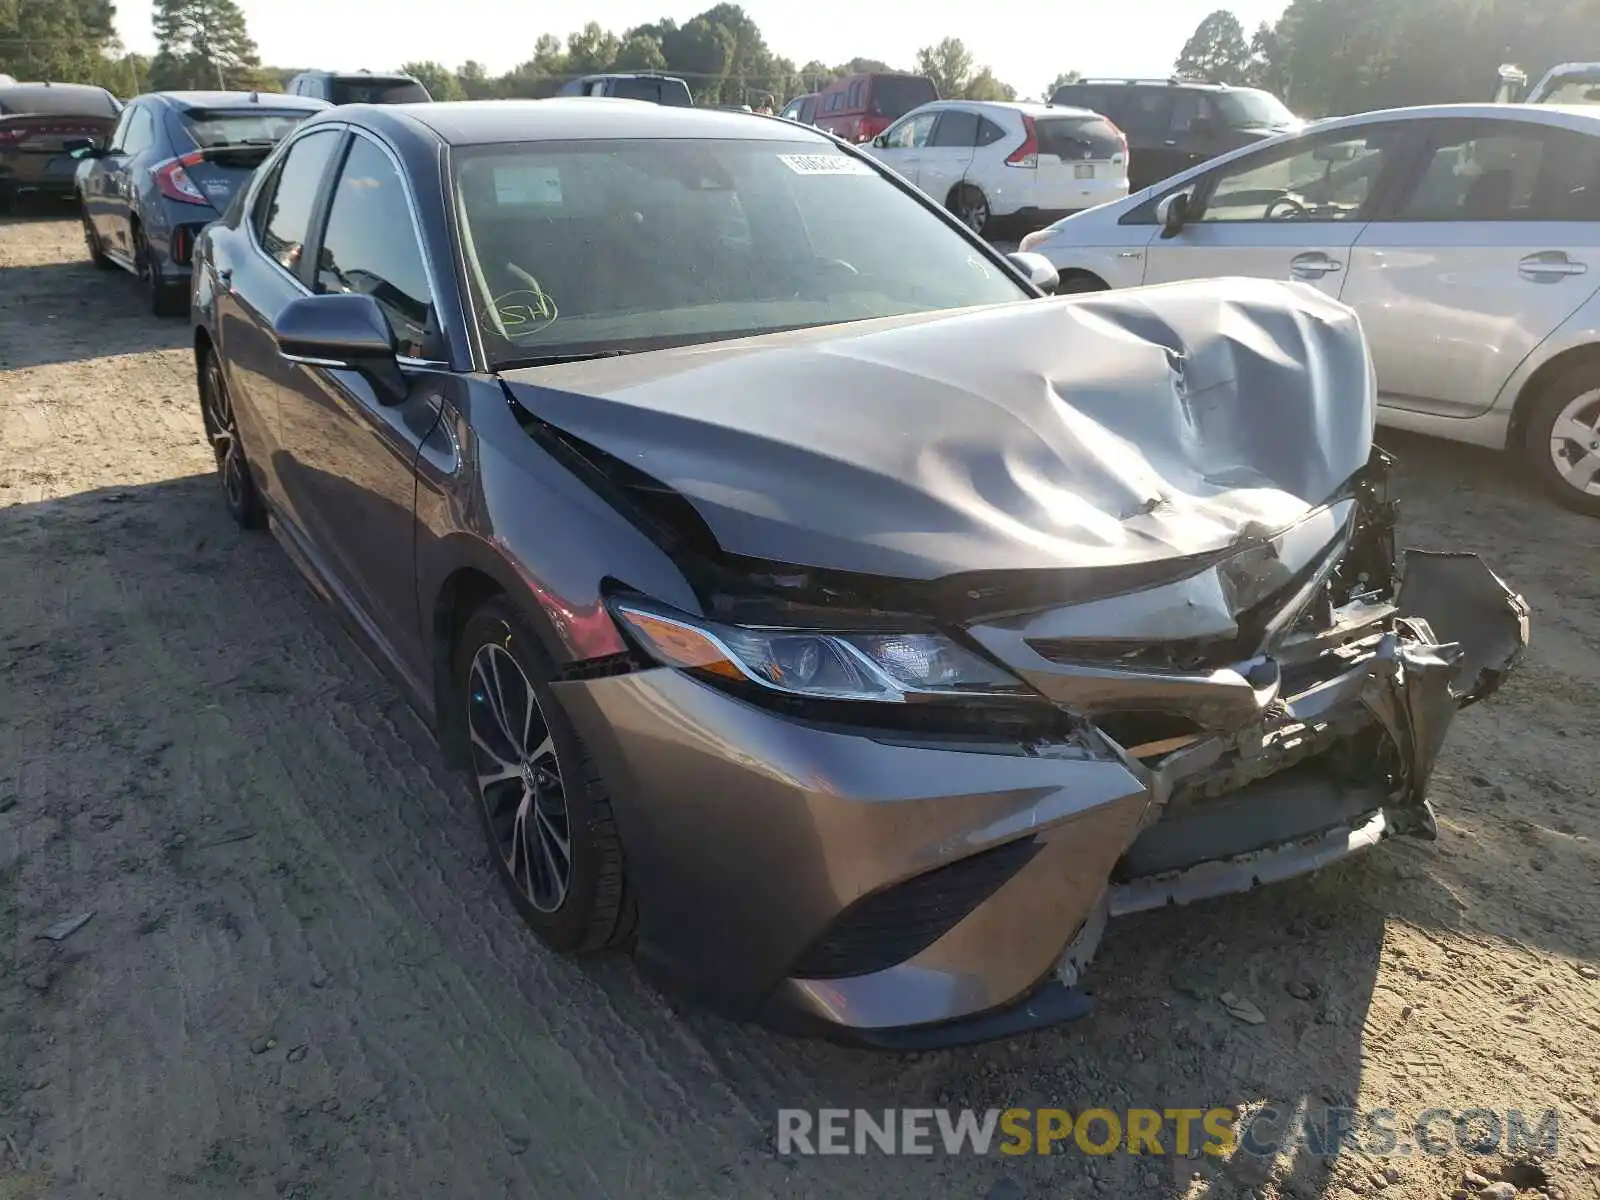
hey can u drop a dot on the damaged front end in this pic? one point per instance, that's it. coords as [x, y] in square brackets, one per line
[1285, 706]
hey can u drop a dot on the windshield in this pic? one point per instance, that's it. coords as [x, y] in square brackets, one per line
[250, 127]
[896, 95]
[362, 90]
[60, 100]
[1246, 108]
[586, 247]
[1572, 89]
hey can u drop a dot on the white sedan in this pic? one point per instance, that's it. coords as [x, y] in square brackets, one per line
[1467, 238]
[988, 161]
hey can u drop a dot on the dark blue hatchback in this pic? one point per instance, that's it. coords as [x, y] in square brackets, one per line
[173, 164]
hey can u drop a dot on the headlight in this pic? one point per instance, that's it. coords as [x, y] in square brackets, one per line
[892, 667]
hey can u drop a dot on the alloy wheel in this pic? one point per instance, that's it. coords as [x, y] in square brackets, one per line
[518, 778]
[224, 435]
[1575, 443]
[973, 210]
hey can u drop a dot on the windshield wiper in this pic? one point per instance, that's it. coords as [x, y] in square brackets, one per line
[550, 360]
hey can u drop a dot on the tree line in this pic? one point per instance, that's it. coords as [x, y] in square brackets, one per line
[1330, 57]
[206, 44]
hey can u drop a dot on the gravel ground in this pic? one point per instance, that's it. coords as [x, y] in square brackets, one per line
[300, 978]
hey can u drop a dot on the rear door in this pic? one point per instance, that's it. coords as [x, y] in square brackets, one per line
[947, 157]
[1493, 243]
[1145, 115]
[1197, 133]
[1289, 212]
[1082, 162]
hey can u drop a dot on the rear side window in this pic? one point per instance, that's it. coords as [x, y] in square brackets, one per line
[955, 128]
[1074, 139]
[362, 90]
[283, 210]
[250, 127]
[1488, 173]
[988, 132]
[1144, 111]
[1077, 95]
[835, 99]
[371, 246]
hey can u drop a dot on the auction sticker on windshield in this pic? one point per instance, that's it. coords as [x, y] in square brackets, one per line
[824, 164]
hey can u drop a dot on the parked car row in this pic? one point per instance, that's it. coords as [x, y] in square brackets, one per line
[793, 582]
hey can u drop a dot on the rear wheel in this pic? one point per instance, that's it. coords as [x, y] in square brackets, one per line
[1562, 441]
[544, 809]
[971, 207]
[239, 492]
[164, 298]
[91, 241]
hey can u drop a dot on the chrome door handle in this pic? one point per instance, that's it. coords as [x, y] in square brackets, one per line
[1313, 265]
[1549, 266]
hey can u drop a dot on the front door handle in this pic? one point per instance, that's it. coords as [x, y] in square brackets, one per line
[1549, 266]
[1313, 265]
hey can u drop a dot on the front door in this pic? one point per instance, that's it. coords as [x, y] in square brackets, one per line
[136, 133]
[1290, 212]
[904, 142]
[1493, 244]
[351, 457]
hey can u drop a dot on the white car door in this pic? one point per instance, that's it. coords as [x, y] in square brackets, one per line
[1291, 211]
[901, 145]
[1494, 243]
[947, 157]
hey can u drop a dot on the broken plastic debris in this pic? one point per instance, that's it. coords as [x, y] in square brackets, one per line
[1239, 1007]
[62, 930]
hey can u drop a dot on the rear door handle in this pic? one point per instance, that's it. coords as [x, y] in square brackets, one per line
[1313, 265]
[1549, 266]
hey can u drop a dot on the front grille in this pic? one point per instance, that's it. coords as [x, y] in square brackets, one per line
[899, 922]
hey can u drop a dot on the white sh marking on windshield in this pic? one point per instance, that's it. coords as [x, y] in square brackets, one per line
[824, 164]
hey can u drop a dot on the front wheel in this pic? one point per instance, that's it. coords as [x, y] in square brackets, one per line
[544, 809]
[1563, 440]
[239, 492]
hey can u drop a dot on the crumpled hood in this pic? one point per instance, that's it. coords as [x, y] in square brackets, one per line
[1116, 428]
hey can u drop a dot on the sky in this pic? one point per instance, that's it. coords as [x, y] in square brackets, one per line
[1026, 42]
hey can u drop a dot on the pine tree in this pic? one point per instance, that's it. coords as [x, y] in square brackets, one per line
[202, 43]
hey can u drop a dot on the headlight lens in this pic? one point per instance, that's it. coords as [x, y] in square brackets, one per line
[891, 667]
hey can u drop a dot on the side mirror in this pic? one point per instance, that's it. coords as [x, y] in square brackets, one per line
[343, 331]
[1039, 270]
[81, 148]
[1172, 213]
[881, 142]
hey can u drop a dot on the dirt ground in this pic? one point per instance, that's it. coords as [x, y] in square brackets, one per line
[300, 978]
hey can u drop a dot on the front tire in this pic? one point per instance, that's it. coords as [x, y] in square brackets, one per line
[239, 492]
[542, 804]
[91, 242]
[1562, 440]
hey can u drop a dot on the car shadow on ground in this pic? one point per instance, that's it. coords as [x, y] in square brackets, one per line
[197, 751]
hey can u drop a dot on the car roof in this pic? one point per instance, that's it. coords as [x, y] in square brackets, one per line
[1024, 107]
[278, 100]
[1583, 118]
[69, 88]
[576, 118]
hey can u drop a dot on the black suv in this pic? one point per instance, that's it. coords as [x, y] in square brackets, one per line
[358, 87]
[1174, 124]
[658, 89]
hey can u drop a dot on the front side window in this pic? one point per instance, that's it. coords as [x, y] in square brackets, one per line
[1249, 108]
[1145, 110]
[595, 246]
[370, 246]
[1188, 110]
[138, 134]
[910, 133]
[1325, 179]
[283, 211]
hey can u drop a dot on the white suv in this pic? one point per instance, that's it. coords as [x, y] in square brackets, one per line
[988, 161]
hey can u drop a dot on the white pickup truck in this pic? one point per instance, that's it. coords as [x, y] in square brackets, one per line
[1569, 83]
